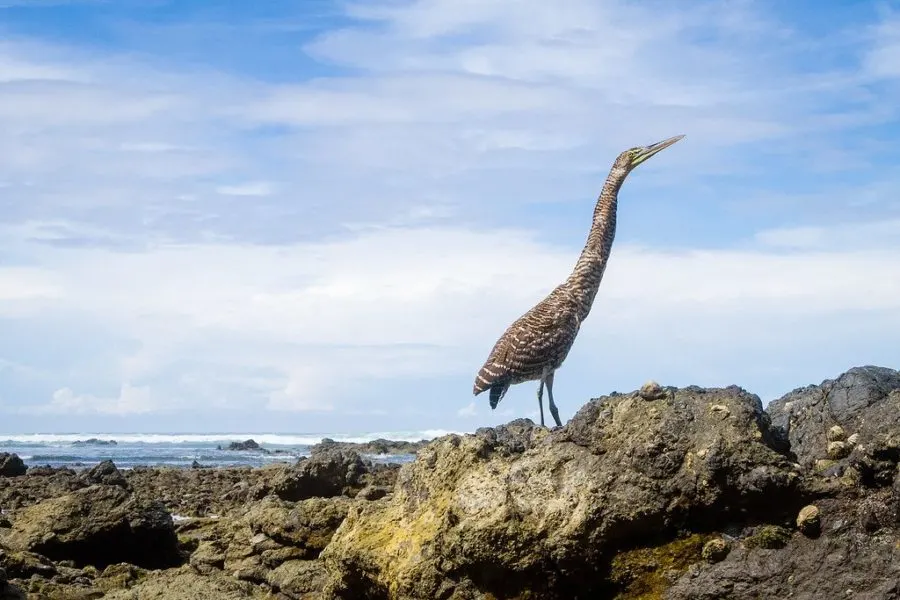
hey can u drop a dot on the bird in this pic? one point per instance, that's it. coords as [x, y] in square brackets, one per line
[535, 345]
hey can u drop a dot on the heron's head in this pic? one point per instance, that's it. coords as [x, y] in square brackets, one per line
[631, 158]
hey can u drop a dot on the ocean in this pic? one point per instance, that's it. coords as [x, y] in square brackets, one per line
[82, 450]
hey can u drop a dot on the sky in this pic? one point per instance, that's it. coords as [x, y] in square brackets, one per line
[319, 216]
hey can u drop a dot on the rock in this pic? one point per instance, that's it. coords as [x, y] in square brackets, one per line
[808, 520]
[865, 400]
[3, 578]
[105, 473]
[94, 442]
[652, 391]
[325, 474]
[300, 579]
[840, 559]
[11, 465]
[375, 447]
[306, 526]
[646, 572]
[715, 550]
[836, 434]
[837, 450]
[244, 446]
[184, 584]
[508, 513]
[97, 525]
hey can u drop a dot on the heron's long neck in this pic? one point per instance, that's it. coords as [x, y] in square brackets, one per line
[588, 272]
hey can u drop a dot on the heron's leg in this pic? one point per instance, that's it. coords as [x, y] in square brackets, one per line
[553, 411]
[541, 400]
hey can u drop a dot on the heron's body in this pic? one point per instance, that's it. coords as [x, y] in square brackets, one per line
[537, 343]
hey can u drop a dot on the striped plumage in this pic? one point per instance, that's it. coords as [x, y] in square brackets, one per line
[537, 343]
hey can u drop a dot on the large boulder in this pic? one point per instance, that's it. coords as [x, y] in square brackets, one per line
[11, 465]
[325, 474]
[852, 421]
[97, 525]
[857, 555]
[517, 509]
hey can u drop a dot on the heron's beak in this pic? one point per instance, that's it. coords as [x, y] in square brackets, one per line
[648, 151]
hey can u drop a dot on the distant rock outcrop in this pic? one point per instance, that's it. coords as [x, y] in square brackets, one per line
[94, 442]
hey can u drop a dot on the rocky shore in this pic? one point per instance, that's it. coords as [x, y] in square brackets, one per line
[679, 493]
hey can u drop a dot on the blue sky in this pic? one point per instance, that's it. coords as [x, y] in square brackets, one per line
[318, 216]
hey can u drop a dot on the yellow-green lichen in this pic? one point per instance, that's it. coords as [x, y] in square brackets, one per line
[770, 537]
[646, 573]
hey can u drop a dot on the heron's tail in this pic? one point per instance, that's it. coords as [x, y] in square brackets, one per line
[489, 380]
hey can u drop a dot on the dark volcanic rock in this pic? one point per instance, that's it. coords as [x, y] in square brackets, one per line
[94, 442]
[244, 446]
[11, 465]
[98, 525]
[864, 401]
[105, 473]
[324, 474]
[378, 446]
[845, 562]
[523, 510]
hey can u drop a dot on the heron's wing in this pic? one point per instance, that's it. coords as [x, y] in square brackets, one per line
[538, 339]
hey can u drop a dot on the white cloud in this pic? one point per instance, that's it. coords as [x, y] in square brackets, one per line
[883, 59]
[251, 188]
[323, 322]
[130, 401]
[469, 410]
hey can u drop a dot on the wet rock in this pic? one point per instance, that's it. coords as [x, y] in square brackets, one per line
[243, 446]
[94, 442]
[506, 513]
[11, 465]
[808, 521]
[97, 525]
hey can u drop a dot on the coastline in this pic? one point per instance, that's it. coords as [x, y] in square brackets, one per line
[679, 493]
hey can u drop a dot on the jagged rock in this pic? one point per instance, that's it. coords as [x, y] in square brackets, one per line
[243, 446]
[504, 513]
[378, 446]
[864, 400]
[94, 442]
[306, 526]
[11, 465]
[98, 525]
[325, 474]
[105, 473]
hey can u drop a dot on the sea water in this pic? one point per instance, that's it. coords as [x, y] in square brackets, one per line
[182, 450]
